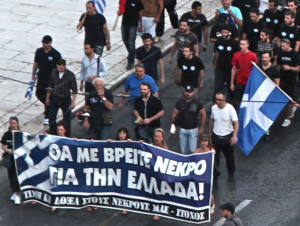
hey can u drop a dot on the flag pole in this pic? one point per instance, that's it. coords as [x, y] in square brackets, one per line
[254, 64]
[114, 27]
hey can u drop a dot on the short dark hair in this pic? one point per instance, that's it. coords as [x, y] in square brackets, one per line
[274, 1]
[254, 10]
[196, 4]
[220, 93]
[191, 48]
[90, 44]
[285, 40]
[125, 130]
[184, 20]
[266, 52]
[146, 84]
[294, 1]
[61, 62]
[146, 36]
[265, 30]
[90, 2]
[290, 13]
[244, 39]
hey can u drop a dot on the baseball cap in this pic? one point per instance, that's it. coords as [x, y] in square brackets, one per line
[222, 18]
[225, 27]
[46, 39]
[189, 89]
[228, 206]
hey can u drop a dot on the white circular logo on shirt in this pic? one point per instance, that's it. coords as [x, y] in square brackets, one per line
[275, 21]
[182, 39]
[268, 20]
[220, 47]
[283, 33]
[292, 36]
[193, 68]
[229, 48]
[255, 30]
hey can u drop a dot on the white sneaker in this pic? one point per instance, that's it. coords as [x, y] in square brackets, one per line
[18, 200]
[46, 121]
[13, 197]
[156, 39]
[286, 123]
[293, 111]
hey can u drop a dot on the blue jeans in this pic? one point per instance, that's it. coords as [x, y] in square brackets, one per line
[66, 115]
[128, 37]
[145, 134]
[101, 132]
[188, 140]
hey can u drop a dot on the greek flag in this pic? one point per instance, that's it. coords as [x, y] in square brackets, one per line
[100, 5]
[264, 100]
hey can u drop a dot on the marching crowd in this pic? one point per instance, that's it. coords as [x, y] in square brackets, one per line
[241, 34]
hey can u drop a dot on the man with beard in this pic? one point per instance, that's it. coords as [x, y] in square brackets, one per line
[198, 23]
[225, 48]
[92, 66]
[290, 31]
[288, 64]
[273, 17]
[190, 70]
[251, 29]
[186, 112]
[271, 71]
[266, 45]
[148, 110]
[45, 60]
[223, 128]
[293, 6]
[245, 6]
[241, 70]
[150, 55]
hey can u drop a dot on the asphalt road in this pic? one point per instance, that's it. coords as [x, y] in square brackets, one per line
[269, 176]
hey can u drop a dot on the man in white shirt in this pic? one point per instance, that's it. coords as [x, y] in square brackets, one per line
[223, 128]
[92, 66]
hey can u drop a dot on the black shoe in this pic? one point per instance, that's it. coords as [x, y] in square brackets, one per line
[130, 66]
[266, 137]
[231, 177]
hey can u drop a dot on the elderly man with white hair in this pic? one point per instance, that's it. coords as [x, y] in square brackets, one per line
[100, 105]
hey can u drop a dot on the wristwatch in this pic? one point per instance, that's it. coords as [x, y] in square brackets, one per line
[104, 99]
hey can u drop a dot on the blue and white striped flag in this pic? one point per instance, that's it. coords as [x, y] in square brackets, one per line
[100, 5]
[262, 101]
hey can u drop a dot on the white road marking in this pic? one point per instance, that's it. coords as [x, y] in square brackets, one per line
[241, 206]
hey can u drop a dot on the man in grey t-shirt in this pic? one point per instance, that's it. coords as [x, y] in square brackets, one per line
[227, 211]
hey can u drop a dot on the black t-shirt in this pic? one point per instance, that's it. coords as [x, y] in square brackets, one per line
[7, 139]
[47, 62]
[190, 70]
[196, 23]
[131, 14]
[97, 107]
[291, 33]
[94, 32]
[150, 59]
[291, 59]
[226, 49]
[253, 33]
[272, 72]
[270, 47]
[245, 6]
[153, 106]
[215, 31]
[297, 19]
[189, 112]
[273, 20]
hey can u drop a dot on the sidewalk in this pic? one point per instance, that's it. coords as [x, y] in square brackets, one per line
[23, 23]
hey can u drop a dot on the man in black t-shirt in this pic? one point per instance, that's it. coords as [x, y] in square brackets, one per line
[96, 30]
[266, 45]
[100, 105]
[225, 48]
[293, 6]
[245, 6]
[215, 31]
[187, 111]
[130, 21]
[273, 17]
[251, 29]
[190, 70]
[45, 60]
[288, 63]
[198, 23]
[150, 56]
[148, 110]
[290, 31]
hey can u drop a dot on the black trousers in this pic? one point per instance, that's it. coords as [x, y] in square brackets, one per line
[12, 176]
[229, 156]
[41, 94]
[160, 26]
[220, 78]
